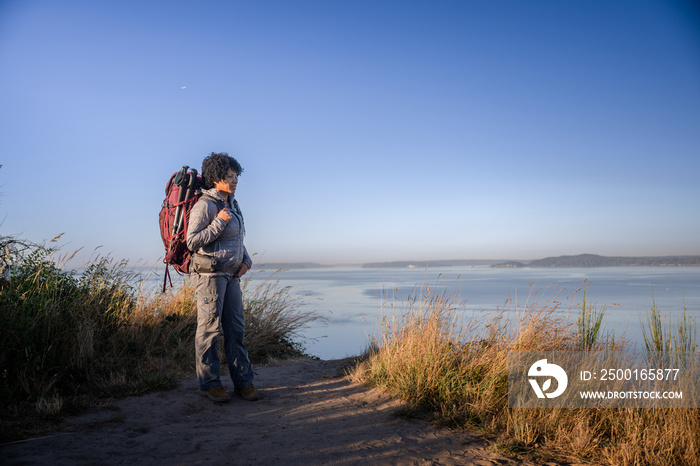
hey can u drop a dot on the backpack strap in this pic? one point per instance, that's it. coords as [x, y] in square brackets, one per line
[218, 202]
[222, 204]
[167, 278]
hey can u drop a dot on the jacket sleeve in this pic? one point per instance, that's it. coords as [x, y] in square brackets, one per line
[246, 258]
[204, 226]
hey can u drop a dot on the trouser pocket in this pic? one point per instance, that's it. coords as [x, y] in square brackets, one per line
[206, 309]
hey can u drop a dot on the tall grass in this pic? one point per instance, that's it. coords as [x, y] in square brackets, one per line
[68, 342]
[458, 375]
[274, 317]
[677, 341]
[655, 340]
[589, 324]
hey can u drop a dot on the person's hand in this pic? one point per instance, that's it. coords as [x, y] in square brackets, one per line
[224, 215]
[242, 270]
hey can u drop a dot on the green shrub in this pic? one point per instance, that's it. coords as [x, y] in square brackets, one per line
[68, 340]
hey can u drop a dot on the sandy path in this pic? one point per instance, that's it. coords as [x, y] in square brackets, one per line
[306, 415]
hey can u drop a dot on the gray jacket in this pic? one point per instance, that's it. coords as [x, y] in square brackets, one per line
[209, 236]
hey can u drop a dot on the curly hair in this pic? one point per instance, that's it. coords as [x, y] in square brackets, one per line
[215, 166]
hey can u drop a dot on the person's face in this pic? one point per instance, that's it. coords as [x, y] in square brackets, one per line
[228, 184]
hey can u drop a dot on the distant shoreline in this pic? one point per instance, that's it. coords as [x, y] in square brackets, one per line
[593, 260]
[577, 261]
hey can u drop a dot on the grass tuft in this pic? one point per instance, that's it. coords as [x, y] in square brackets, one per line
[71, 341]
[589, 323]
[458, 371]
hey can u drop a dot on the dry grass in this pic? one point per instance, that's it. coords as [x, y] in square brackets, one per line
[457, 372]
[70, 342]
[274, 316]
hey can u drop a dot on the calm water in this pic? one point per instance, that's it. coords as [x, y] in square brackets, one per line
[352, 297]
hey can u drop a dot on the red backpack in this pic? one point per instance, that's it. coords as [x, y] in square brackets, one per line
[181, 193]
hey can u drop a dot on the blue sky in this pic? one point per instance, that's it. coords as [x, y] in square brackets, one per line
[368, 130]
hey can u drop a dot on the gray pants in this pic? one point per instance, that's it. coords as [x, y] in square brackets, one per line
[220, 305]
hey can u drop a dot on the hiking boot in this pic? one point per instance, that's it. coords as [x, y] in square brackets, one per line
[217, 394]
[247, 393]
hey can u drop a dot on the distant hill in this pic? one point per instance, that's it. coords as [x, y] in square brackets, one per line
[593, 260]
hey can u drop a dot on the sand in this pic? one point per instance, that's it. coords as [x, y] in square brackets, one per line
[308, 414]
